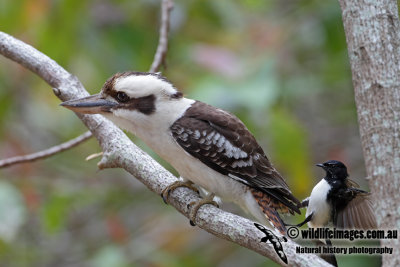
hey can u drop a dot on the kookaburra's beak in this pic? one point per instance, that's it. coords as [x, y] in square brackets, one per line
[93, 104]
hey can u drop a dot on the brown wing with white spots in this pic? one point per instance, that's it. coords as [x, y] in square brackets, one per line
[222, 142]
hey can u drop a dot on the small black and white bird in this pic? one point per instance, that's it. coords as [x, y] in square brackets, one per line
[337, 200]
[206, 145]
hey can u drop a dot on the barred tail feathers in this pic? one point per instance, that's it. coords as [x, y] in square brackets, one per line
[269, 207]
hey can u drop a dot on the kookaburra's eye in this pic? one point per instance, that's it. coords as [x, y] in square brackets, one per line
[122, 97]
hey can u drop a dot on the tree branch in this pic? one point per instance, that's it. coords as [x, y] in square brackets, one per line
[159, 59]
[45, 153]
[372, 34]
[120, 152]
[162, 48]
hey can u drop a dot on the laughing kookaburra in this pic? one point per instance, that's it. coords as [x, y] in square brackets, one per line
[206, 145]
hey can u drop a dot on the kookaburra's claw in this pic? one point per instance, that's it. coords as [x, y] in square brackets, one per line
[209, 199]
[165, 193]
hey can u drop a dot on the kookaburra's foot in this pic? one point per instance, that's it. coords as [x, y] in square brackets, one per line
[209, 199]
[165, 193]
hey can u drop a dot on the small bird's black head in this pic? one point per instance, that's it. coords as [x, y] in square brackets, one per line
[335, 170]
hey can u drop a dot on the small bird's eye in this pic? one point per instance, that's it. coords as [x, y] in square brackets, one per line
[122, 97]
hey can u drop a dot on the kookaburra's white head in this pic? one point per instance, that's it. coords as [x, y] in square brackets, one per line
[136, 101]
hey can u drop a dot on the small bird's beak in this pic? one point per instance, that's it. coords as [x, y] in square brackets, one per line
[320, 165]
[93, 104]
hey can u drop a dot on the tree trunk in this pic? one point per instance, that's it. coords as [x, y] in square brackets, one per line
[372, 35]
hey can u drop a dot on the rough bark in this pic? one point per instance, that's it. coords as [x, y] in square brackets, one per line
[120, 152]
[372, 34]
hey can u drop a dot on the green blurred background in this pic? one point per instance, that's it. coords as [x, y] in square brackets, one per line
[281, 66]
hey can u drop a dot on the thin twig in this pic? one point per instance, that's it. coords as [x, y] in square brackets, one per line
[162, 48]
[93, 156]
[45, 153]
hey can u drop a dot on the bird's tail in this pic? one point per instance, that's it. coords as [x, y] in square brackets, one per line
[269, 207]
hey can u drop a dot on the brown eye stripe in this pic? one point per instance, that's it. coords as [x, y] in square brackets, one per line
[145, 104]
